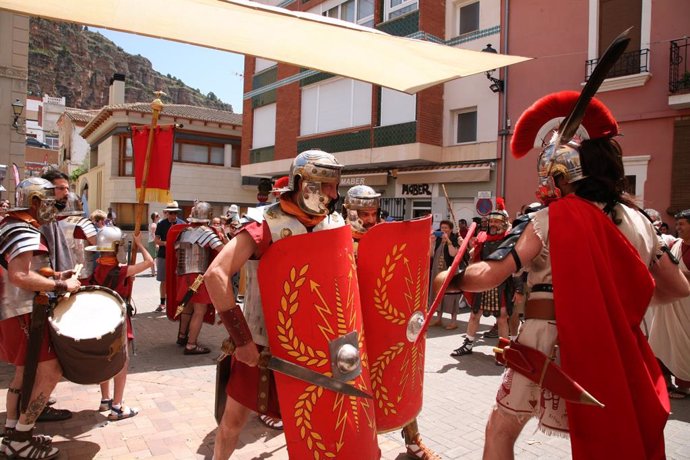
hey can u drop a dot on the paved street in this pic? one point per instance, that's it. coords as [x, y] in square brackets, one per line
[175, 395]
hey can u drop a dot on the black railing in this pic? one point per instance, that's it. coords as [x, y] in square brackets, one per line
[630, 63]
[394, 206]
[679, 71]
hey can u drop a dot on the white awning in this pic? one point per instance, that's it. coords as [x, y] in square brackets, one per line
[301, 39]
[447, 174]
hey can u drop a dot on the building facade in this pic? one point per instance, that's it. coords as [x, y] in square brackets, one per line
[411, 148]
[206, 162]
[648, 91]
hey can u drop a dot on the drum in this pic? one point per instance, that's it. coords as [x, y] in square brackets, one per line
[89, 334]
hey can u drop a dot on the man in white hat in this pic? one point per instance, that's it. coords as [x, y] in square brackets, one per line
[171, 212]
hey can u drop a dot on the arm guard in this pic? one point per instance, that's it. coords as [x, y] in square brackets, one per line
[507, 247]
[236, 325]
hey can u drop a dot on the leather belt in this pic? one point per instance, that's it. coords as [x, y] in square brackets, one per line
[542, 288]
[540, 309]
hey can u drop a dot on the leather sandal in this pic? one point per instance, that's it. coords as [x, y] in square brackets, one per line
[271, 422]
[22, 444]
[106, 404]
[122, 413]
[420, 451]
[196, 349]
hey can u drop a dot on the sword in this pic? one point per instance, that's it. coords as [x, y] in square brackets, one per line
[300, 373]
[189, 294]
[543, 371]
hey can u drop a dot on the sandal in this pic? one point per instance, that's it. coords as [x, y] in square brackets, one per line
[419, 451]
[465, 349]
[271, 422]
[122, 413]
[679, 393]
[53, 415]
[182, 340]
[106, 404]
[196, 350]
[22, 444]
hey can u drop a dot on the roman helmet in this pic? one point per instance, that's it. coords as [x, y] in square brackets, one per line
[559, 122]
[309, 170]
[73, 206]
[35, 187]
[361, 197]
[500, 213]
[109, 239]
[202, 213]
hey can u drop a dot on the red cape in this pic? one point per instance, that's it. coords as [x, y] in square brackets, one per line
[171, 278]
[601, 291]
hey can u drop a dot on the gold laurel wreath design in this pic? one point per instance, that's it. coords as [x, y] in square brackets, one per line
[377, 369]
[303, 409]
[289, 305]
[381, 301]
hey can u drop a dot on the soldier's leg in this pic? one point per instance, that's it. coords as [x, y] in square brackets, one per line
[199, 310]
[502, 430]
[503, 323]
[234, 418]
[414, 444]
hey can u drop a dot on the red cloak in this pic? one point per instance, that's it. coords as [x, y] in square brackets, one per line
[601, 290]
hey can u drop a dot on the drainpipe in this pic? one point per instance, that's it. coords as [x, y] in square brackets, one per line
[505, 129]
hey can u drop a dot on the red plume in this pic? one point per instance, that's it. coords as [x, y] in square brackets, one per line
[500, 204]
[598, 120]
[279, 185]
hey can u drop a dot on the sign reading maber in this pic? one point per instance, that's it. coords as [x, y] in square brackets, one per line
[415, 190]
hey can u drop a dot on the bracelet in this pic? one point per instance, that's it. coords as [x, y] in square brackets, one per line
[237, 327]
[60, 286]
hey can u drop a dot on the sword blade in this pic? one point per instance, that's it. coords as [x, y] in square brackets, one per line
[310, 376]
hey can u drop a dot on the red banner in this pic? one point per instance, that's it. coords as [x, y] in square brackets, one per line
[160, 161]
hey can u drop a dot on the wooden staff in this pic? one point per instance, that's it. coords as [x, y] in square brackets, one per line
[450, 208]
[156, 107]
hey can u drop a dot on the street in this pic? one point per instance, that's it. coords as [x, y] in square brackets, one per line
[175, 396]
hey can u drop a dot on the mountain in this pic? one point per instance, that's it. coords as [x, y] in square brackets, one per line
[71, 61]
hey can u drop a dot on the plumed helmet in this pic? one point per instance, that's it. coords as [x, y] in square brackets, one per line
[73, 206]
[499, 212]
[33, 187]
[109, 239]
[362, 197]
[202, 213]
[280, 185]
[315, 166]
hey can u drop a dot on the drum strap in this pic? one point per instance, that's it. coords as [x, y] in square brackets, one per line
[33, 349]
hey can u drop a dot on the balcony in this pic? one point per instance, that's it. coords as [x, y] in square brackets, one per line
[631, 70]
[679, 75]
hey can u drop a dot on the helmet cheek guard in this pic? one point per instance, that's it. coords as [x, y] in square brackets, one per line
[310, 170]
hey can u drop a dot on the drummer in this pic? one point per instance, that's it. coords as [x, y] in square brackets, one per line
[26, 251]
[120, 278]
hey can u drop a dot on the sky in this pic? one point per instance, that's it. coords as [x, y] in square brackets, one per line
[208, 70]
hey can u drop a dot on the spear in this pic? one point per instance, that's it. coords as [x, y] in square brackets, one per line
[450, 208]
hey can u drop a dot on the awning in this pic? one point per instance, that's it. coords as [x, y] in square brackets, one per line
[297, 38]
[475, 172]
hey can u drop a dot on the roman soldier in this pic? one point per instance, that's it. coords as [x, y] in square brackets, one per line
[78, 229]
[387, 336]
[195, 244]
[498, 301]
[599, 262]
[301, 330]
[24, 340]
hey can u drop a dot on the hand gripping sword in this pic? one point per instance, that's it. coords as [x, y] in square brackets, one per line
[189, 294]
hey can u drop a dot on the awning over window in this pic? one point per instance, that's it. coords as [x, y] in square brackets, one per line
[477, 172]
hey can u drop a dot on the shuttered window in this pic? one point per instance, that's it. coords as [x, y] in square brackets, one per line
[680, 176]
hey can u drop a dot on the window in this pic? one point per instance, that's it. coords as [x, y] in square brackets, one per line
[421, 208]
[335, 104]
[52, 141]
[395, 8]
[199, 152]
[397, 107]
[126, 167]
[468, 18]
[466, 126]
[264, 126]
[357, 11]
[263, 64]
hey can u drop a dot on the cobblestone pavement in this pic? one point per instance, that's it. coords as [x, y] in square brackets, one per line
[175, 395]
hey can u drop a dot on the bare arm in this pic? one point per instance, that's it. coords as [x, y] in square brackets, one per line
[141, 266]
[157, 240]
[229, 261]
[20, 274]
[482, 276]
[671, 284]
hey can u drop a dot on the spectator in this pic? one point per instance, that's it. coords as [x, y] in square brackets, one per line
[443, 248]
[151, 245]
[98, 218]
[669, 334]
[171, 211]
[462, 228]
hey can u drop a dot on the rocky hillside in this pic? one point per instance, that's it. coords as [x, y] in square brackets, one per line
[71, 61]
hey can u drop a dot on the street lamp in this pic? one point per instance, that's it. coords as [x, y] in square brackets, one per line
[17, 108]
[496, 84]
